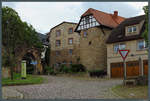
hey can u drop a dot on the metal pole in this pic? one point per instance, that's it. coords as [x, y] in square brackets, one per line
[124, 64]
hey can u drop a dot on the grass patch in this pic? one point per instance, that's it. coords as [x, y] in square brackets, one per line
[131, 92]
[31, 79]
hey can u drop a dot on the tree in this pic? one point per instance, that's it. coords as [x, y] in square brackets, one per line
[47, 56]
[16, 35]
[145, 34]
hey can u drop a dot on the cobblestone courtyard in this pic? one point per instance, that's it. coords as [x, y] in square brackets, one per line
[69, 88]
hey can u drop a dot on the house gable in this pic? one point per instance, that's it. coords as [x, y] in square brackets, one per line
[120, 34]
[100, 18]
[87, 22]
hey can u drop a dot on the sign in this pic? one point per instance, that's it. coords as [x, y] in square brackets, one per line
[124, 53]
[34, 62]
[23, 69]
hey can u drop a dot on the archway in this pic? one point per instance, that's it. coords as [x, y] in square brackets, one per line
[29, 57]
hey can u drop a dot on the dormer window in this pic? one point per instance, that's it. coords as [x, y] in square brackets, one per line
[131, 29]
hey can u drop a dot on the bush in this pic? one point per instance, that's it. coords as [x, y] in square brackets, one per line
[142, 80]
[97, 73]
[64, 69]
[50, 70]
[77, 68]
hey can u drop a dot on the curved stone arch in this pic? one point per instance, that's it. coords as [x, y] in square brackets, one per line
[35, 53]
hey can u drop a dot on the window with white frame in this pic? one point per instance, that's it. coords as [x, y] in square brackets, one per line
[141, 45]
[122, 46]
[118, 47]
[132, 29]
[70, 41]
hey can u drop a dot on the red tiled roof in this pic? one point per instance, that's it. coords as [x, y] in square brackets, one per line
[104, 18]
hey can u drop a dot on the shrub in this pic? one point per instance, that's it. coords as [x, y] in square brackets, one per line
[50, 70]
[77, 68]
[97, 73]
[142, 80]
[64, 69]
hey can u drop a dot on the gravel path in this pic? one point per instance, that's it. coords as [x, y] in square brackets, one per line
[69, 88]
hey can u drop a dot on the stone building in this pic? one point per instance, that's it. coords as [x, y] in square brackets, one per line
[128, 35]
[64, 44]
[94, 28]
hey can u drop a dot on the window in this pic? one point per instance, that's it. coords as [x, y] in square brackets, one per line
[141, 45]
[122, 46]
[58, 42]
[70, 41]
[58, 32]
[131, 29]
[57, 53]
[70, 62]
[70, 30]
[87, 20]
[119, 46]
[85, 33]
[116, 48]
[134, 28]
[70, 51]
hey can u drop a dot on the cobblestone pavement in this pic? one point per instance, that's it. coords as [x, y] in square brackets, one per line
[11, 94]
[69, 88]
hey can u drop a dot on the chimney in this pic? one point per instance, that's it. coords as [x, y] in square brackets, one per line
[115, 14]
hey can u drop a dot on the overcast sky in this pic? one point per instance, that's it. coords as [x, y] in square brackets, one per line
[45, 15]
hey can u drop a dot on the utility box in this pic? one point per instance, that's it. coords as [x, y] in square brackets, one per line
[23, 69]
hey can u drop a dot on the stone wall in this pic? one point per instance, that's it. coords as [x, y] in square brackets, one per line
[94, 55]
[64, 47]
[5, 72]
[35, 53]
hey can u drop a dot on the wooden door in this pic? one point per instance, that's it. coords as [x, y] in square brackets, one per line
[132, 68]
[117, 70]
[145, 67]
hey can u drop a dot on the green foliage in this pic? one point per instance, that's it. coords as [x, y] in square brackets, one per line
[77, 68]
[64, 69]
[50, 70]
[47, 56]
[18, 81]
[17, 34]
[145, 34]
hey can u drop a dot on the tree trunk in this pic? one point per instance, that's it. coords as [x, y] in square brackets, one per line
[11, 72]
